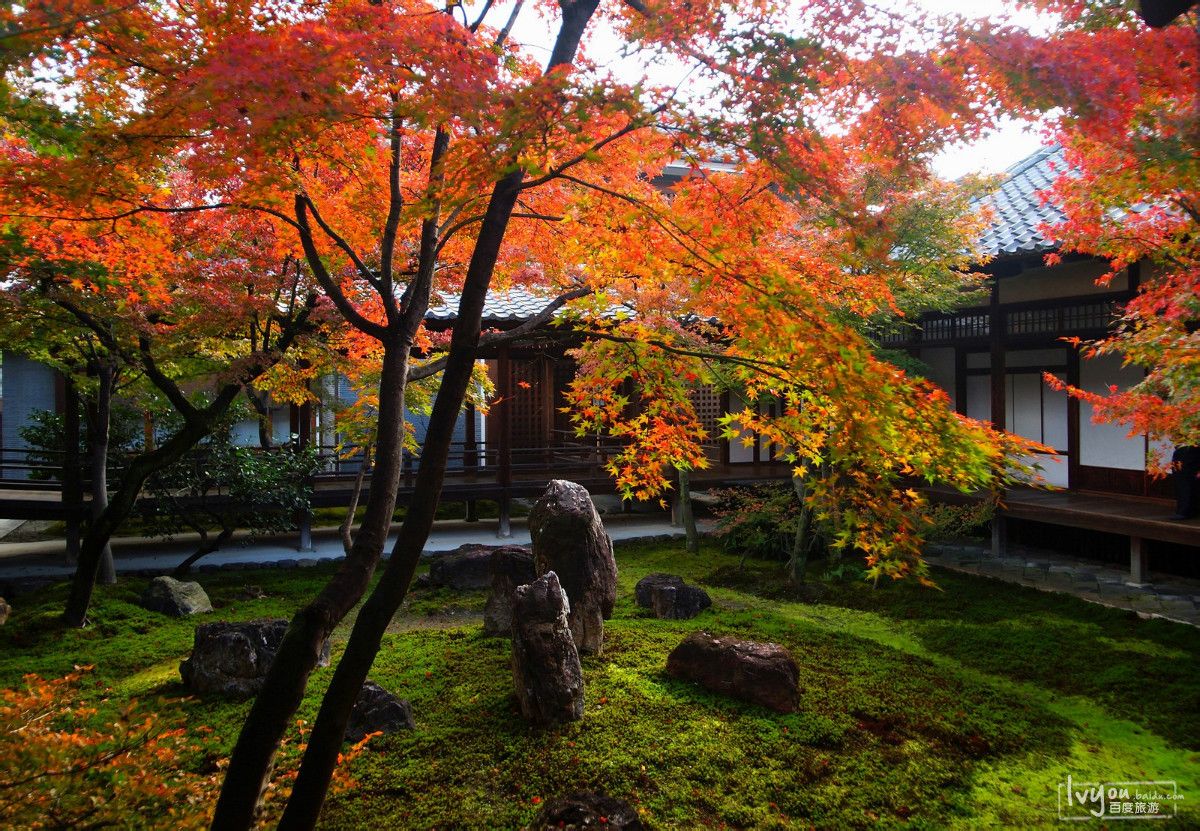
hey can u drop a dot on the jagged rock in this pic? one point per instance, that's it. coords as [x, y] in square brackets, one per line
[378, 711]
[585, 809]
[233, 658]
[668, 596]
[545, 662]
[512, 566]
[5, 611]
[761, 673]
[176, 598]
[569, 539]
[466, 568]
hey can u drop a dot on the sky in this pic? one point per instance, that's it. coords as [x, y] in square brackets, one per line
[992, 154]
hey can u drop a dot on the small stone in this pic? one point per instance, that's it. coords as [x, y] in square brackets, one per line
[511, 566]
[378, 711]
[569, 539]
[5, 611]
[175, 598]
[545, 663]
[585, 809]
[761, 673]
[669, 597]
[233, 658]
[252, 593]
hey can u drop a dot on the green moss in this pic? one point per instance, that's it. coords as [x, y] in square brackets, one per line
[924, 709]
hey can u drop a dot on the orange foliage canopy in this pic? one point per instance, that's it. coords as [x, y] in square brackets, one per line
[372, 133]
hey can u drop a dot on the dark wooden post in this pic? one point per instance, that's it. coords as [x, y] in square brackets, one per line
[504, 419]
[471, 458]
[996, 339]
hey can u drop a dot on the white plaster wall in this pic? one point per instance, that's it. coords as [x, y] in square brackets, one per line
[1071, 280]
[1108, 445]
[941, 367]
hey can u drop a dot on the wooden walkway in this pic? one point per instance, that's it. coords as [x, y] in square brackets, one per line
[1138, 518]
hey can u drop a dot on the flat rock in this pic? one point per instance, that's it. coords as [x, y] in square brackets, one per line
[669, 597]
[569, 539]
[233, 658]
[378, 711]
[761, 673]
[545, 663]
[585, 809]
[175, 597]
[512, 566]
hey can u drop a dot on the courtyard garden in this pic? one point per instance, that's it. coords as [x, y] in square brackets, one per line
[963, 706]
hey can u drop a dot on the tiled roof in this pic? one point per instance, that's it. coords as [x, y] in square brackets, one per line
[508, 306]
[1017, 213]
[1017, 210]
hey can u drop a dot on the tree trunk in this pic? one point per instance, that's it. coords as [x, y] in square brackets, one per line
[121, 503]
[803, 541]
[687, 516]
[206, 547]
[271, 714]
[325, 741]
[263, 417]
[72, 486]
[355, 493]
[99, 420]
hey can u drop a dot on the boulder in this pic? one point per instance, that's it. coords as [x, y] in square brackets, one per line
[233, 658]
[512, 566]
[378, 711]
[466, 568]
[545, 662]
[761, 673]
[668, 596]
[585, 809]
[569, 539]
[5, 611]
[174, 597]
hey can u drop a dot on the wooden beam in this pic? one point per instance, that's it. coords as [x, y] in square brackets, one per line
[996, 343]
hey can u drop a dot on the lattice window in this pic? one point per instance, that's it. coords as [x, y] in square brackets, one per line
[1033, 322]
[528, 414]
[939, 328]
[974, 325]
[707, 403]
[1089, 316]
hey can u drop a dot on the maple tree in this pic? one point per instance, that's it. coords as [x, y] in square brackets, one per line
[161, 300]
[407, 150]
[1124, 100]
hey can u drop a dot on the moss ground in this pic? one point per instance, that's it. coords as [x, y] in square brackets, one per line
[964, 707]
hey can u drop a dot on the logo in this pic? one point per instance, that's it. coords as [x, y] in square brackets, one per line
[1117, 800]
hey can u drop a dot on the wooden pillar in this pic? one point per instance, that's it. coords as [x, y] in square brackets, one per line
[504, 419]
[1139, 561]
[71, 481]
[996, 342]
[999, 534]
[1073, 425]
[471, 458]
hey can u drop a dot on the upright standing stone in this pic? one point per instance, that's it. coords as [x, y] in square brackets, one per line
[545, 662]
[569, 539]
[5, 610]
[512, 566]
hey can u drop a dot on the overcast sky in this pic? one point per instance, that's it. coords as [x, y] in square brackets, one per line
[1013, 142]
